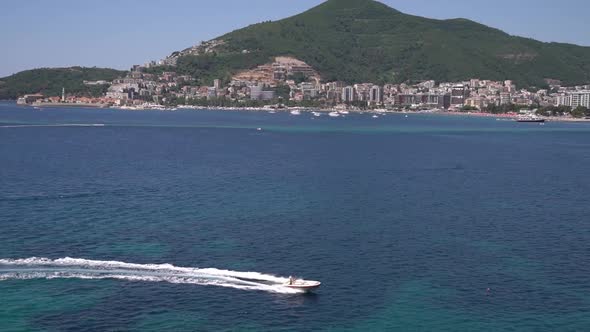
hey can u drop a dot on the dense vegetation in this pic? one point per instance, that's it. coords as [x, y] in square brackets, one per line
[209, 67]
[364, 40]
[49, 81]
[578, 112]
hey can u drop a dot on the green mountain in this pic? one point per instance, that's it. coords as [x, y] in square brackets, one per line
[50, 81]
[364, 41]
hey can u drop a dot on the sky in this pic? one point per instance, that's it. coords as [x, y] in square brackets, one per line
[120, 33]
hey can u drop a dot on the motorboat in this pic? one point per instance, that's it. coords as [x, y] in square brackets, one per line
[302, 285]
[295, 112]
[334, 114]
[317, 114]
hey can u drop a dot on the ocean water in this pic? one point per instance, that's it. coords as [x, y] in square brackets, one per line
[191, 220]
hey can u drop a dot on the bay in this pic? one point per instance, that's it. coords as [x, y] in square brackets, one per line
[424, 222]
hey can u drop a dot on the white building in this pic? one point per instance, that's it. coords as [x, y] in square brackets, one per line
[505, 98]
[348, 94]
[574, 99]
[257, 93]
[375, 95]
[458, 93]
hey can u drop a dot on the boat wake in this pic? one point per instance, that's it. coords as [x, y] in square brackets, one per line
[55, 125]
[77, 268]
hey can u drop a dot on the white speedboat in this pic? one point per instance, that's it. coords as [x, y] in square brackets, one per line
[302, 285]
[317, 114]
[334, 114]
[296, 112]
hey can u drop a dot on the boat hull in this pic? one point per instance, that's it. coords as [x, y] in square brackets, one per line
[305, 286]
[532, 121]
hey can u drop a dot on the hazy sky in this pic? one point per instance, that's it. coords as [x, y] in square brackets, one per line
[119, 33]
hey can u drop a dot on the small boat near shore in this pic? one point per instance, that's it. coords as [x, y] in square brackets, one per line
[334, 114]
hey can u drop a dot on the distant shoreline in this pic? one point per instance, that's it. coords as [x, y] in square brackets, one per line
[512, 116]
[299, 108]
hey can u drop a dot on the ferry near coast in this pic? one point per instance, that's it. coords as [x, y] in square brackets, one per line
[530, 119]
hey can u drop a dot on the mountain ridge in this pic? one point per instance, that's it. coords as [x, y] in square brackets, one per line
[365, 40]
[353, 41]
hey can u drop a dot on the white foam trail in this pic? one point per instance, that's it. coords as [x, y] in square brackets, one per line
[56, 125]
[68, 268]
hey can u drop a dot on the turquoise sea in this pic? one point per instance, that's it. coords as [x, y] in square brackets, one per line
[191, 220]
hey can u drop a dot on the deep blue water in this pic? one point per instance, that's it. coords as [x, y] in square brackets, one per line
[428, 223]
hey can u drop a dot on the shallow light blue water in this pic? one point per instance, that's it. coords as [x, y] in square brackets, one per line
[407, 221]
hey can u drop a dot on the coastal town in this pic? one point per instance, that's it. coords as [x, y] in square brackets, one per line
[288, 83]
[295, 165]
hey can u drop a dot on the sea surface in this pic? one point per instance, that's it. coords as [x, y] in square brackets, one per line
[192, 220]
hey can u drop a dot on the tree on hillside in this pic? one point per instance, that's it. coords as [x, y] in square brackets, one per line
[298, 78]
[580, 112]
